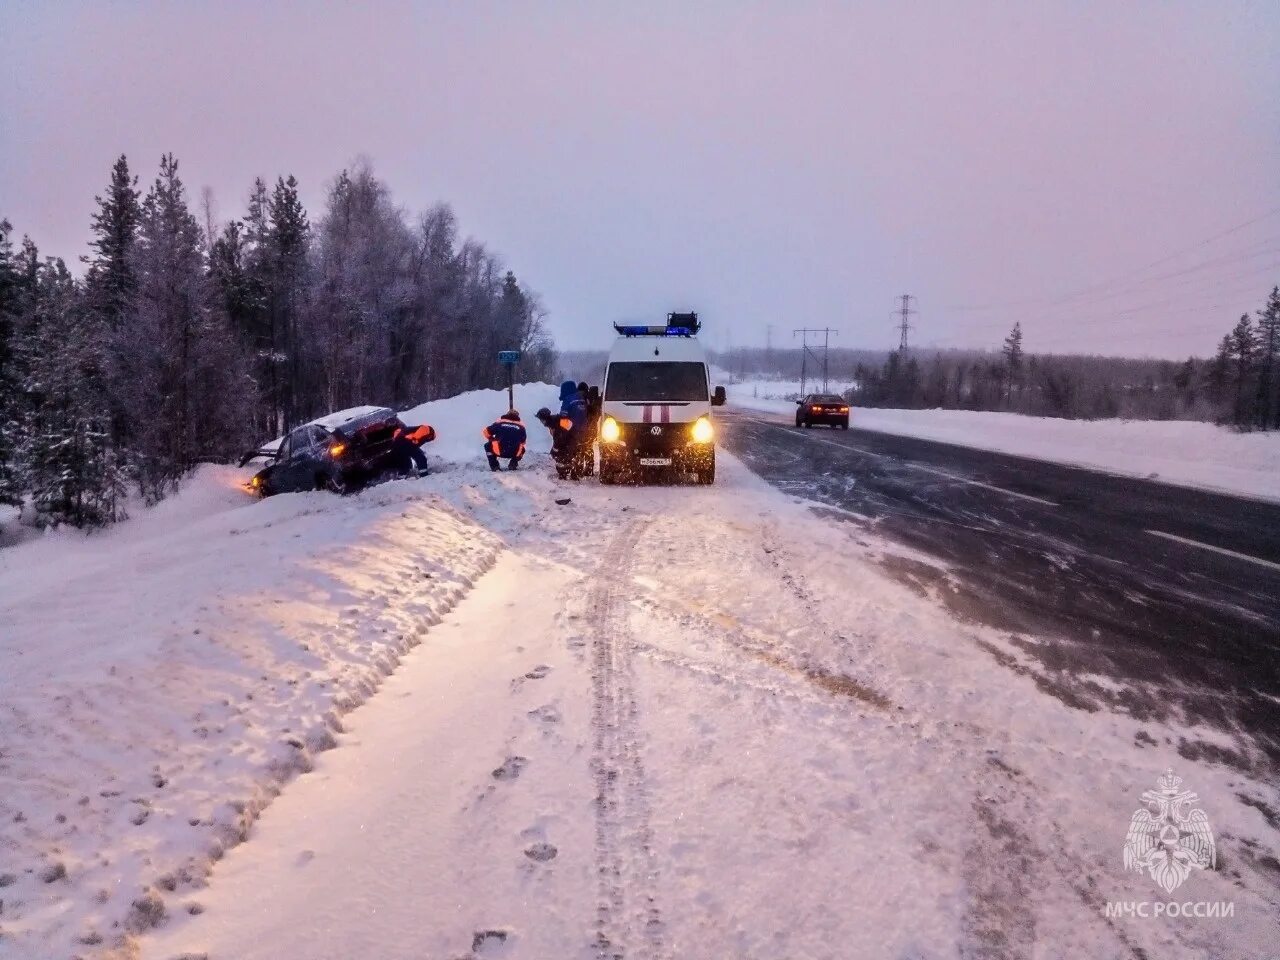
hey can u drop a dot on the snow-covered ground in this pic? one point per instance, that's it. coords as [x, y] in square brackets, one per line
[1183, 452]
[675, 721]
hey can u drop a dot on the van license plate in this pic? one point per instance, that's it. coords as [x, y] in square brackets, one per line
[655, 461]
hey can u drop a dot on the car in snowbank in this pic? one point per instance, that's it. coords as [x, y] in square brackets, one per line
[343, 452]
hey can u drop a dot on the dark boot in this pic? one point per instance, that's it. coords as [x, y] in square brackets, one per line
[493, 463]
[514, 464]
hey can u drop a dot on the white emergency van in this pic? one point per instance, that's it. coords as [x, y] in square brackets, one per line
[656, 403]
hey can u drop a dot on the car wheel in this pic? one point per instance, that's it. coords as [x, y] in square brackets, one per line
[808, 425]
[798, 423]
[334, 483]
[845, 425]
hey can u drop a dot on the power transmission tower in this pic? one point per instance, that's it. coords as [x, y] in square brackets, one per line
[808, 351]
[903, 313]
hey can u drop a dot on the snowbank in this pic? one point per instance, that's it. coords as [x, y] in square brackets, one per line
[459, 420]
[162, 678]
[1183, 452]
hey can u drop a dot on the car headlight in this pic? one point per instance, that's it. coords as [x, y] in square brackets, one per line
[610, 432]
[702, 432]
[337, 449]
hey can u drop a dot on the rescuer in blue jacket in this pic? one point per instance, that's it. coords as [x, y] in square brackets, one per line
[505, 439]
[573, 406]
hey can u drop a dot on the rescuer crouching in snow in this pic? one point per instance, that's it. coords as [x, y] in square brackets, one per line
[504, 440]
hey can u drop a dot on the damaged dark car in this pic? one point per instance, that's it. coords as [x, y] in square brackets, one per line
[344, 452]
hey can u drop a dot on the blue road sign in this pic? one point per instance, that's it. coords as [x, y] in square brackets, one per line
[508, 356]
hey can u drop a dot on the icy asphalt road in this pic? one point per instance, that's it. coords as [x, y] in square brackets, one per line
[705, 723]
[1172, 593]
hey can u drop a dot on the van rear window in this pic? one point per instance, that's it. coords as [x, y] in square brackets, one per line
[656, 382]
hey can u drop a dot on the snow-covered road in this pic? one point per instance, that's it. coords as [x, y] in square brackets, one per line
[650, 722]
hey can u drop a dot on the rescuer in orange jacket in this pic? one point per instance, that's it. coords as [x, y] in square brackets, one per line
[505, 439]
[406, 446]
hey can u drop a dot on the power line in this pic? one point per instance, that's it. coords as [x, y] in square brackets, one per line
[1178, 277]
[807, 352]
[1120, 278]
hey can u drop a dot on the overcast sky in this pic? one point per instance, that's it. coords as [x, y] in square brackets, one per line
[786, 164]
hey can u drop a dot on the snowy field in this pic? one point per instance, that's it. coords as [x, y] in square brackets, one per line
[695, 722]
[1183, 452]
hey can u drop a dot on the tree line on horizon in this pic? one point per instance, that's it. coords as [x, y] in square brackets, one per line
[1239, 386]
[186, 342]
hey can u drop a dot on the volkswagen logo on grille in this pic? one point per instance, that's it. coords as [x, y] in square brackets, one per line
[656, 430]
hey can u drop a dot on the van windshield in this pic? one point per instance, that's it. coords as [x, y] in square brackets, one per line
[656, 382]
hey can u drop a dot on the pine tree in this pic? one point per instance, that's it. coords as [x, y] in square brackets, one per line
[1243, 357]
[110, 280]
[1184, 381]
[187, 390]
[288, 237]
[10, 386]
[1268, 360]
[1217, 377]
[74, 473]
[110, 284]
[1013, 360]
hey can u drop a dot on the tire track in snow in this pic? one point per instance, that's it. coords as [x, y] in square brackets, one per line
[628, 916]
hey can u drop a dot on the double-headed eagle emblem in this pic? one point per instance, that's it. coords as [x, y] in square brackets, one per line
[1166, 839]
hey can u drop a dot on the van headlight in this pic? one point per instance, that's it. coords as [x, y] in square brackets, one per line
[702, 432]
[610, 432]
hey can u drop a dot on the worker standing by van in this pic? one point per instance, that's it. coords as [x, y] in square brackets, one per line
[505, 440]
[568, 431]
[591, 401]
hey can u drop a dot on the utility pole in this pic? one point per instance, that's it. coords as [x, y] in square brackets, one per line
[768, 347]
[807, 351]
[903, 313]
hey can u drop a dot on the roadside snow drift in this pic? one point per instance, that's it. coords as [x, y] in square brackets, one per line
[1183, 452]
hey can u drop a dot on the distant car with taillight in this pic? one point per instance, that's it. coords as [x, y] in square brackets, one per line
[822, 408]
[343, 452]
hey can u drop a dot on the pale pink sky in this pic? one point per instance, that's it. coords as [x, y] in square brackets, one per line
[767, 163]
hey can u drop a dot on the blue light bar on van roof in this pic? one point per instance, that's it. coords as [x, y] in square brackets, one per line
[652, 331]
